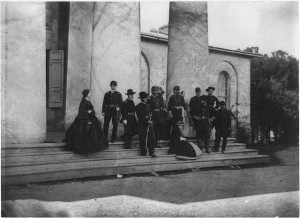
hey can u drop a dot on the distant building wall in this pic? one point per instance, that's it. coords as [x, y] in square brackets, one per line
[235, 67]
[238, 69]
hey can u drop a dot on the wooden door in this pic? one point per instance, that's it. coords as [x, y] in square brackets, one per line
[56, 79]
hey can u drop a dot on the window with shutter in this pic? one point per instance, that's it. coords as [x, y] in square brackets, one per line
[56, 77]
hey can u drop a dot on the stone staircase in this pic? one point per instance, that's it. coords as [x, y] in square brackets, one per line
[28, 163]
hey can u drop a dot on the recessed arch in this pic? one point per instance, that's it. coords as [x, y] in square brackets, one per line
[225, 66]
[145, 73]
[224, 87]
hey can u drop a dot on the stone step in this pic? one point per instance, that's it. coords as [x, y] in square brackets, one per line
[64, 157]
[10, 149]
[76, 170]
[111, 152]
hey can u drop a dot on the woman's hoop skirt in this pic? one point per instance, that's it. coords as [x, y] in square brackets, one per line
[183, 149]
[187, 151]
[85, 135]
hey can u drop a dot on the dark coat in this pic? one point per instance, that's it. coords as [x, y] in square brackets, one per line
[212, 101]
[175, 101]
[128, 106]
[223, 119]
[156, 106]
[194, 103]
[204, 113]
[143, 114]
[111, 98]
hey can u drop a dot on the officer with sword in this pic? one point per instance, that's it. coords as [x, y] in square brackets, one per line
[145, 126]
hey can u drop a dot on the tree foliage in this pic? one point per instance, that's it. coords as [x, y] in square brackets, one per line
[162, 30]
[274, 96]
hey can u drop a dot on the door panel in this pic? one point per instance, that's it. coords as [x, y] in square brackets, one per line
[56, 76]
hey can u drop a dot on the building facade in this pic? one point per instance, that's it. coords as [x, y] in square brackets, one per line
[51, 52]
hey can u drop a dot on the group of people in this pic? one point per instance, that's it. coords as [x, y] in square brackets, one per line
[151, 119]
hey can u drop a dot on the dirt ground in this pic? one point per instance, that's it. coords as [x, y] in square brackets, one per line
[180, 187]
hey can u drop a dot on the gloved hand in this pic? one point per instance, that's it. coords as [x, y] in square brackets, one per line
[125, 122]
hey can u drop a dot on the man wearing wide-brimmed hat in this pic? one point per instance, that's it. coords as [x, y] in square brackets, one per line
[166, 125]
[112, 103]
[128, 118]
[212, 100]
[145, 126]
[194, 104]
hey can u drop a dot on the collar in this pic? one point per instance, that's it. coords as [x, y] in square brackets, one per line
[112, 91]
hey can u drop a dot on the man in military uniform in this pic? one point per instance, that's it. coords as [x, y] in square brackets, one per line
[166, 126]
[156, 105]
[112, 103]
[128, 118]
[203, 114]
[175, 107]
[145, 126]
[223, 126]
[213, 102]
[194, 104]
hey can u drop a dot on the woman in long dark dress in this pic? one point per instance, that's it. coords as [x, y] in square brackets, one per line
[85, 135]
[184, 149]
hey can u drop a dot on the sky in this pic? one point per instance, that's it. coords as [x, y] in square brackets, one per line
[269, 25]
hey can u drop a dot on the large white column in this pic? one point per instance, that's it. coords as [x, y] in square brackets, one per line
[116, 50]
[188, 49]
[79, 56]
[23, 72]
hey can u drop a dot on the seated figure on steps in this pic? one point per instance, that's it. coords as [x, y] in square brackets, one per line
[183, 149]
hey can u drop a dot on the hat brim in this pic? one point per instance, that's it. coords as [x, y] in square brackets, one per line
[130, 93]
[144, 96]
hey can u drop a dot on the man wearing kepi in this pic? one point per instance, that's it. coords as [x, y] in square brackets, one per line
[112, 103]
[223, 126]
[203, 115]
[175, 107]
[128, 118]
[194, 104]
[156, 106]
[145, 126]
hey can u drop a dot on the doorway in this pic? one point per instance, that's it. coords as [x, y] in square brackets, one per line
[57, 28]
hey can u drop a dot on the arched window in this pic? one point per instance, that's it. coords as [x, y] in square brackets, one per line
[224, 88]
